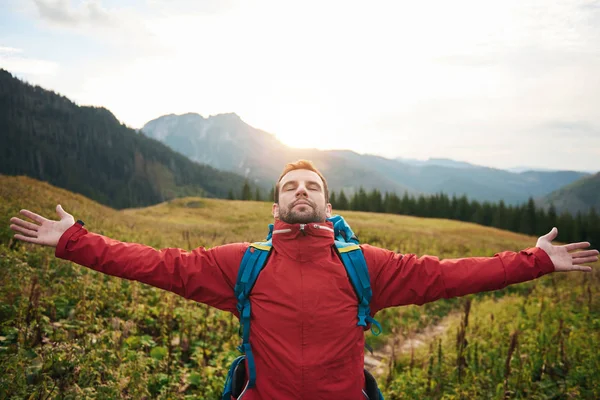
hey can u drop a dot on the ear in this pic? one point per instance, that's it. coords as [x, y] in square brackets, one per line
[275, 210]
[328, 210]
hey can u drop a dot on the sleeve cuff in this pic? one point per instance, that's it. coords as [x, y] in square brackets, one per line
[546, 264]
[61, 247]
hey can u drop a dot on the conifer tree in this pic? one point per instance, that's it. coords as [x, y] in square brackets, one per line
[528, 221]
[463, 212]
[342, 201]
[407, 205]
[552, 216]
[246, 193]
[360, 201]
[566, 227]
[500, 214]
[391, 203]
[257, 195]
[513, 220]
[593, 220]
[333, 200]
[272, 194]
[421, 209]
[374, 201]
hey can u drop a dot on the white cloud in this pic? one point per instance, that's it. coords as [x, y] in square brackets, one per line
[63, 12]
[124, 29]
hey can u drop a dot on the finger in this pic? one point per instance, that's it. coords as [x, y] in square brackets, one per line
[28, 239]
[25, 231]
[33, 216]
[61, 213]
[550, 236]
[577, 246]
[581, 268]
[585, 260]
[585, 253]
[24, 224]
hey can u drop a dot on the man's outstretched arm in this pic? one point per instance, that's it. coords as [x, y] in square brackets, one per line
[202, 275]
[406, 279]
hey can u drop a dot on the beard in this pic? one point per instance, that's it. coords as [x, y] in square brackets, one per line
[309, 213]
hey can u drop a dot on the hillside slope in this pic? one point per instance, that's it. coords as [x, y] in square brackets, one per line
[87, 150]
[579, 196]
[72, 332]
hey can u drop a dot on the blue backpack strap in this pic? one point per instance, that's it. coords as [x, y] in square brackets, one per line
[270, 234]
[356, 266]
[254, 260]
[342, 230]
[346, 243]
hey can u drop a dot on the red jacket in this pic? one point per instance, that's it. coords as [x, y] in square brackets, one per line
[303, 332]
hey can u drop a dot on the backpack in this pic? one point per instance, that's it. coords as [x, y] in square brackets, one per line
[254, 260]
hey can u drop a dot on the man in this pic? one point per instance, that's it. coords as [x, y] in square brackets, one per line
[304, 335]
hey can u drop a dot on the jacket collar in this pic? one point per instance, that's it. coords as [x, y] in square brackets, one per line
[303, 242]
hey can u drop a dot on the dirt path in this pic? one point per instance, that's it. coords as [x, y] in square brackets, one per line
[378, 362]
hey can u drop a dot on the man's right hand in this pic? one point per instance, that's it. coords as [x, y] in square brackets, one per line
[44, 231]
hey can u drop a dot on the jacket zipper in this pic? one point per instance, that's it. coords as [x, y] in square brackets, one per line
[302, 229]
[323, 227]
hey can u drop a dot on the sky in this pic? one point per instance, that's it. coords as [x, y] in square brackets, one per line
[496, 83]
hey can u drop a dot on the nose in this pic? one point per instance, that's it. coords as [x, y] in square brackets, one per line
[301, 191]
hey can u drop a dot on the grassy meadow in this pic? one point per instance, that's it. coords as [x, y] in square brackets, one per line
[69, 332]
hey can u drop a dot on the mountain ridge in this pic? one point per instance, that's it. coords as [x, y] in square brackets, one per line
[260, 156]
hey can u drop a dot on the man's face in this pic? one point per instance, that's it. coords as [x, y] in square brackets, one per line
[301, 198]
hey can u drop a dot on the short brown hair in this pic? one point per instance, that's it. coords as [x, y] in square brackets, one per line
[301, 164]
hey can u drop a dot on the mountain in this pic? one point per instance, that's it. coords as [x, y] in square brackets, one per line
[442, 162]
[579, 196]
[519, 169]
[225, 141]
[87, 150]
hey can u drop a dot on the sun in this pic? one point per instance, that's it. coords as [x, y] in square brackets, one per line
[298, 124]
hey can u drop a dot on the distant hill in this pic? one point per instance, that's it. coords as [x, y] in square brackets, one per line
[579, 196]
[478, 183]
[87, 150]
[226, 142]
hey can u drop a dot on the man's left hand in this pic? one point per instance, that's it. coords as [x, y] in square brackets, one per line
[562, 257]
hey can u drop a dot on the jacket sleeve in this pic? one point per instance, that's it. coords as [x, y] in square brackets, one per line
[206, 276]
[405, 279]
